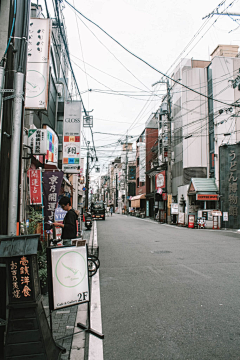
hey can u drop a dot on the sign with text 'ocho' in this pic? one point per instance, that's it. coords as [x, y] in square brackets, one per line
[69, 274]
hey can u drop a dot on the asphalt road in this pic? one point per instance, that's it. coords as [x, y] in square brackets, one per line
[168, 292]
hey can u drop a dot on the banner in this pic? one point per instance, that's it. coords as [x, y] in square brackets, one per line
[51, 187]
[142, 161]
[37, 77]
[71, 137]
[160, 180]
[35, 179]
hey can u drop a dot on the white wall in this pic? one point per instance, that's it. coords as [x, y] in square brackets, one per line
[194, 118]
[223, 70]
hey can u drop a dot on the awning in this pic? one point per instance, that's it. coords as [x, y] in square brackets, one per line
[202, 186]
[138, 197]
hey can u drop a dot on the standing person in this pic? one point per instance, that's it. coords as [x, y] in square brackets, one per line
[69, 226]
[111, 210]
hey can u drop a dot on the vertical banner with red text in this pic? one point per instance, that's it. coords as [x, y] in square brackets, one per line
[35, 178]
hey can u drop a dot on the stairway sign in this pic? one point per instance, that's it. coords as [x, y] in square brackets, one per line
[68, 276]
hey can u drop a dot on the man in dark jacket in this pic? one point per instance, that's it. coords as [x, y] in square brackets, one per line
[69, 226]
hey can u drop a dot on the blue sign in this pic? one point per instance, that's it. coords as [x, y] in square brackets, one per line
[84, 189]
[59, 214]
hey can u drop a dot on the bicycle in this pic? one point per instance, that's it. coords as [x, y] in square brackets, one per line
[93, 265]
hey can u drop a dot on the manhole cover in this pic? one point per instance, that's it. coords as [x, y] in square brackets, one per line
[161, 252]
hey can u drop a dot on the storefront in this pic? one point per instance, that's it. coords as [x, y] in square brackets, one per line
[202, 201]
[138, 203]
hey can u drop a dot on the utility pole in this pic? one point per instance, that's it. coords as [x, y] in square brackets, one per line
[87, 178]
[126, 174]
[169, 168]
[169, 165]
[12, 119]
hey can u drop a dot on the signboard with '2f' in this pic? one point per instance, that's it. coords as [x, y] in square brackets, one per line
[69, 276]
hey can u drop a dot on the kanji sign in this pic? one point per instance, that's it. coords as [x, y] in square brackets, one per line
[21, 283]
[37, 139]
[51, 187]
[35, 178]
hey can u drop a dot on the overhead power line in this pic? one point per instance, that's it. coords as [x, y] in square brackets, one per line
[145, 62]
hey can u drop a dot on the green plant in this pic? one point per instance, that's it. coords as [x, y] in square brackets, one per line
[42, 265]
[35, 217]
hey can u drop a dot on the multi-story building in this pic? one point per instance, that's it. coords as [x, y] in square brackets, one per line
[144, 161]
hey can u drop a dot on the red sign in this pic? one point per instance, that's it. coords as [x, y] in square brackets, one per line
[164, 196]
[35, 179]
[160, 180]
[207, 197]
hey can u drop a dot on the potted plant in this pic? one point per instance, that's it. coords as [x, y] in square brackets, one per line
[36, 218]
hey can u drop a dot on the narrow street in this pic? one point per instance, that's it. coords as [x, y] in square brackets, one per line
[168, 292]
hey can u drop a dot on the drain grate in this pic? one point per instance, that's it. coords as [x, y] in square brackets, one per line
[161, 252]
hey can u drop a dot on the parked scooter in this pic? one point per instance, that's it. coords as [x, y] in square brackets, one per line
[88, 220]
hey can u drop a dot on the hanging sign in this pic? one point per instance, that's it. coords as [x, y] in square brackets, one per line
[35, 178]
[142, 161]
[38, 64]
[71, 137]
[160, 180]
[51, 187]
[69, 276]
[51, 146]
[37, 139]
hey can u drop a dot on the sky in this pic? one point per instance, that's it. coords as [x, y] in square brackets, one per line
[122, 96]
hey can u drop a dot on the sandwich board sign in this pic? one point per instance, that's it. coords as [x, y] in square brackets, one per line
[68, 276]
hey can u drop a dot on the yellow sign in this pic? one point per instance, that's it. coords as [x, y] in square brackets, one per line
[169, 201]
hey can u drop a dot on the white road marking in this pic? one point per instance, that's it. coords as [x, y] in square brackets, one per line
[195, 271]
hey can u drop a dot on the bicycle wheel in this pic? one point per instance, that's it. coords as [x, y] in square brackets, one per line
[92, 267]
[96, 259]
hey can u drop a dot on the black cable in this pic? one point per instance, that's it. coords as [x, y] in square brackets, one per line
[145, 62]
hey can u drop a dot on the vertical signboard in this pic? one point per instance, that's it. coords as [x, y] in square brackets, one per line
[51, 187]
[38, 64]
[35, 178]
[160, 180]
[142, 161]
[51, 146]
[71, 137]
[229, 175]
[37, 139]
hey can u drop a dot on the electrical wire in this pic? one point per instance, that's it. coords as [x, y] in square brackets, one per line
[145, 62]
